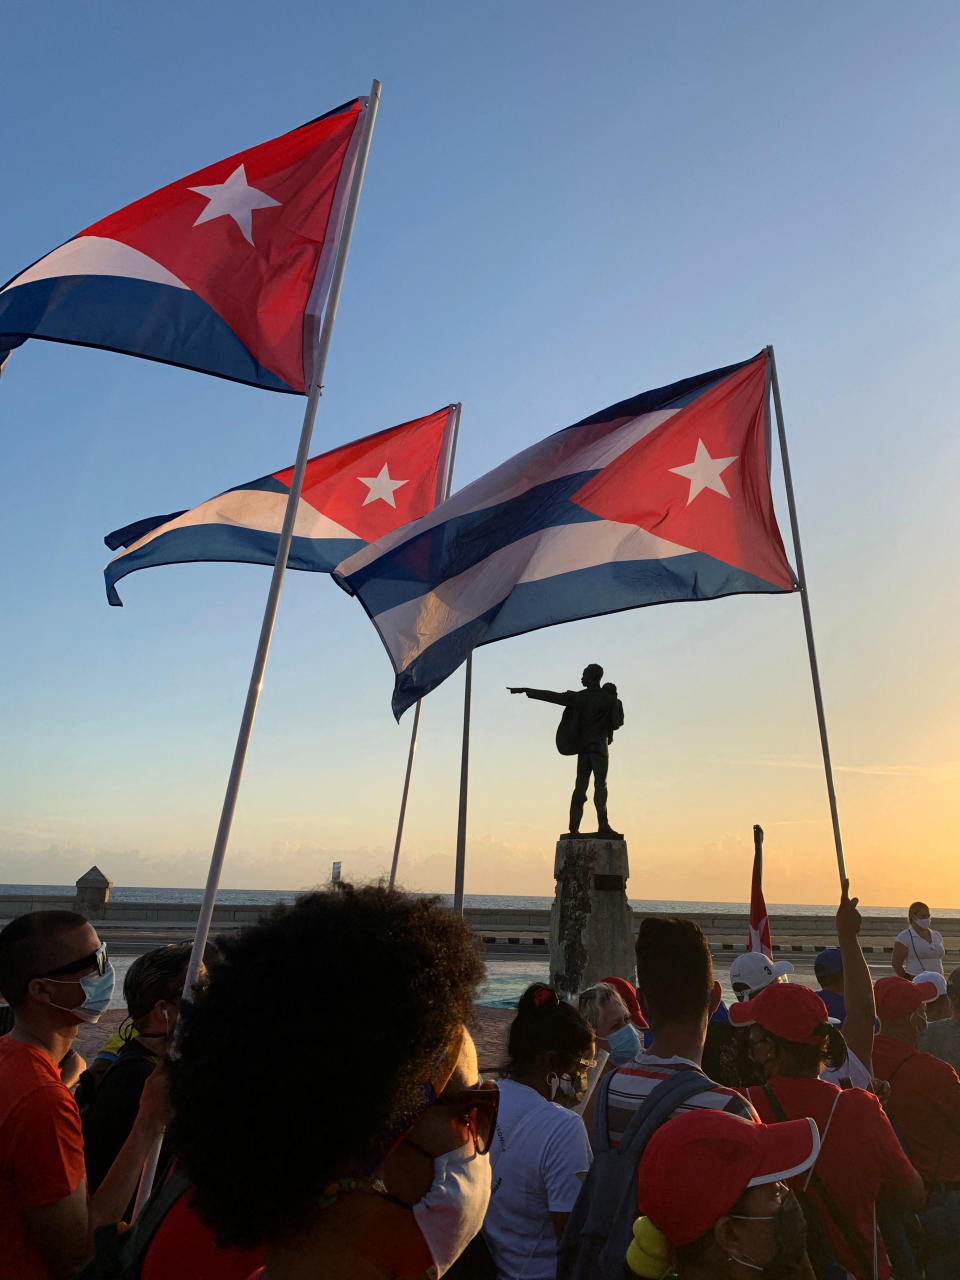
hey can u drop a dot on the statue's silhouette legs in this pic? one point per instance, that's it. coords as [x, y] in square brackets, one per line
[595, 762]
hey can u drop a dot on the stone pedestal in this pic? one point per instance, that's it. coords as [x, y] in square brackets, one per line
[93, 891]
[591, 923]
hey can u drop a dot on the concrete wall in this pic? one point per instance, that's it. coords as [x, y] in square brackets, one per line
[484, 921]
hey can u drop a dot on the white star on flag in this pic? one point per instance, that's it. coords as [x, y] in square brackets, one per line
[704, 472]
[234, 199]
[380, 486]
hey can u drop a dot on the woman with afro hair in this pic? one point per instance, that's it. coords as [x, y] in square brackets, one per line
[326, 1094]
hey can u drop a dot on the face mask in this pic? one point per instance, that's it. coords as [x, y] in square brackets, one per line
[922, 922]
[790, 1233]
[97, 992]
[452, 1211]
[565, 1090]
[624, 1044]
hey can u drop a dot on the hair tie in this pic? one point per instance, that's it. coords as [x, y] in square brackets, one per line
[544, 995]
[649, 1253]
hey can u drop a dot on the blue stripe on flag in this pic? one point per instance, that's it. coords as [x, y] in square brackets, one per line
[462, 541]
[673, 396]
[135, 317]
[228, 542]
[605, 588]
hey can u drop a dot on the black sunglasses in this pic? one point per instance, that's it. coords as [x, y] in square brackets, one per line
[479, 1107]
[95, 960]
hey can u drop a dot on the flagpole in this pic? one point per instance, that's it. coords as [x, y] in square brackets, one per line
[807, 621]
[273, 595]
[444, 481]
[464, 772]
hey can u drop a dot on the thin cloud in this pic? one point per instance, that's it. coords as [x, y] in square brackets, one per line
[949, 770]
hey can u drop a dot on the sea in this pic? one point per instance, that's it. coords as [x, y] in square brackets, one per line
[507, 978]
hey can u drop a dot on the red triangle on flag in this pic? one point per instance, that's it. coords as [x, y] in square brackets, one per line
[701, 479]
[246, 234]
[373, 485]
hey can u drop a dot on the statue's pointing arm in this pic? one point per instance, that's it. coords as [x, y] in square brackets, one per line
[543, 695]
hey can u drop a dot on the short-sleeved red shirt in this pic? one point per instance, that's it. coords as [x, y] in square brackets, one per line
[924, 1105]
[184, 1245]
[41, 1150]
[859, 1159]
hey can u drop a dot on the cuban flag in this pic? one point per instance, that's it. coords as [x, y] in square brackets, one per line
[351, 496]
[225, 271]
[662, 497]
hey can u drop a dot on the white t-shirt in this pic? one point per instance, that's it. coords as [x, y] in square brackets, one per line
[537, 1153]
[922, 956]
[852, 1069]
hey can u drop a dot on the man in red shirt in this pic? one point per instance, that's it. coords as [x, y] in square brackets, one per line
[791, 1040]
[924, 1099]
[55, 974]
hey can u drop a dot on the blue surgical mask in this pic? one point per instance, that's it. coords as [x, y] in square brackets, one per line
[97, 992]
[624, 1044]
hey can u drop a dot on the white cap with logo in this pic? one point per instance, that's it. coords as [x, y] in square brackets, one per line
[753, 971]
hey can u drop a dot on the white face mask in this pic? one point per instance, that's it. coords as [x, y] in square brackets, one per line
[922, 922]
[452, 1211]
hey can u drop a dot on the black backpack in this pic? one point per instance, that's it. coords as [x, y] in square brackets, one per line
[600, 1227]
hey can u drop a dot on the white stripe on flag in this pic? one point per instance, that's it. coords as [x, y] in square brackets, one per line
[411, 628]
[96, 256]
[249, 509]
[584, 449]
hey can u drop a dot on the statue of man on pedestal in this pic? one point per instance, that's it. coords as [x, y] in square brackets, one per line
[591, 717]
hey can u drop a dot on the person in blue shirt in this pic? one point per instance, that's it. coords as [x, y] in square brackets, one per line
[828, 969]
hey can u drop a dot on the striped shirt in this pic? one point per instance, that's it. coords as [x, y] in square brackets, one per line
[632, 1084]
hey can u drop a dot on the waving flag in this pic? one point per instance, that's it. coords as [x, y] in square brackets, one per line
[351, 496]
[225, 271]
[759, 939]
[662, 497]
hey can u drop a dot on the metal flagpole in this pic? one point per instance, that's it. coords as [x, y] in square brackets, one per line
[445, 480]
[273, 595]
[807, 621]
[464, 772]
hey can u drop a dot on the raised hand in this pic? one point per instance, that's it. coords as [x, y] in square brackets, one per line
[848, 917]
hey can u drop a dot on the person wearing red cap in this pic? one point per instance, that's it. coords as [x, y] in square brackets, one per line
[714, 1200]
[791, 1039]
[924, 1100]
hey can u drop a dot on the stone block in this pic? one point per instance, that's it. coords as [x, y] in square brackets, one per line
[591, 923]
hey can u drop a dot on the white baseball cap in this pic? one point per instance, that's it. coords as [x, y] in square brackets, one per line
[938, 980]
[753, 971]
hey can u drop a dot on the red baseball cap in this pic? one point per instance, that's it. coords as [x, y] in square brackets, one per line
[787, 1010]
[628, 994]
[898, 997]
[697, 1166]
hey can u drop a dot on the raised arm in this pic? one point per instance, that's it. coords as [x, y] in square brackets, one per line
[861, 1012]
[543, 695]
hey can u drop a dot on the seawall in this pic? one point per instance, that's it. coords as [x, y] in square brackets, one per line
[521, 933]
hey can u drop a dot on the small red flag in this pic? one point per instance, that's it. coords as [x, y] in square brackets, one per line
[759, 920]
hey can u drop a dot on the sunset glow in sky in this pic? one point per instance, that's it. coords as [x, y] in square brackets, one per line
[563, 207]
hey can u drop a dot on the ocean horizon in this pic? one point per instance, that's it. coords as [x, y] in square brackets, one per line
[504, 902]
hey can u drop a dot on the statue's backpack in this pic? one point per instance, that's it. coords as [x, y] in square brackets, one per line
[568, 731]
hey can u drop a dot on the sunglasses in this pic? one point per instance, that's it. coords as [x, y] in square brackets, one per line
[477, 1107]
[95, 960]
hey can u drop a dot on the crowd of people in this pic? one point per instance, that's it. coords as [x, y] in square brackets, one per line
[325, 1116]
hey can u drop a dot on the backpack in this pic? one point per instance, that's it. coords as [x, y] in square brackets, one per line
[600, 1227]
[119, 1255]
[568, 731]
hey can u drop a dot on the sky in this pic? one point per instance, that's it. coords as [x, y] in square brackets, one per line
[563, 207]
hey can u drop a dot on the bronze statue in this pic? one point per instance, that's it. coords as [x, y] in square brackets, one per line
[590, 718]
